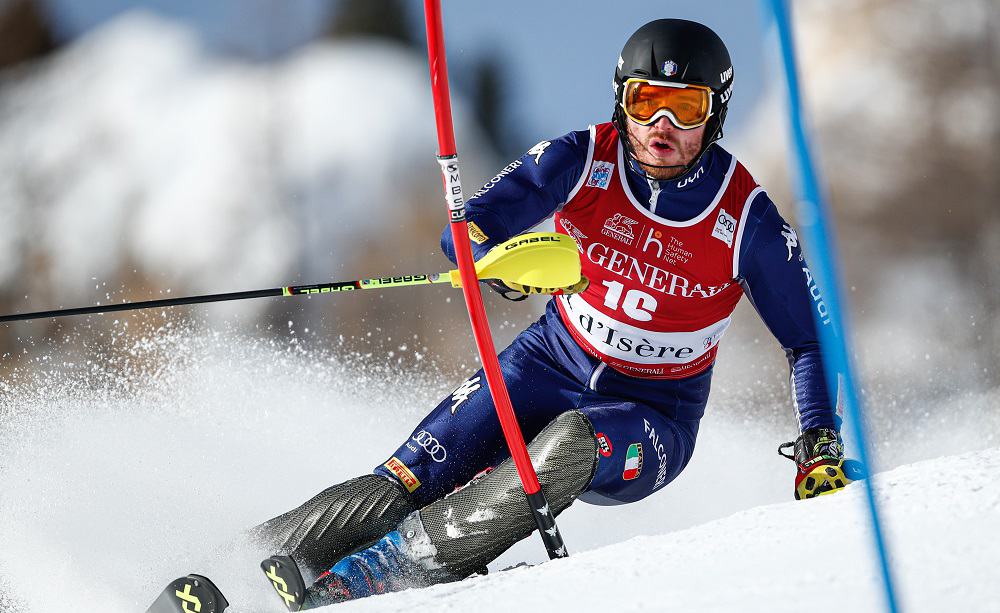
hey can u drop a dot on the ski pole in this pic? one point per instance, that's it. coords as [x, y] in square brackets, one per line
[448, 159]
[538, 260]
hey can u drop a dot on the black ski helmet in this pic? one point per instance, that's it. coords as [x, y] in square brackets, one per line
[680, 51]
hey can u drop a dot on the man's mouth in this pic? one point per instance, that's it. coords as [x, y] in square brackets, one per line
[660, 147]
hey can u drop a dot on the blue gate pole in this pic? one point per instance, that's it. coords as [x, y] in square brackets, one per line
[813, 219]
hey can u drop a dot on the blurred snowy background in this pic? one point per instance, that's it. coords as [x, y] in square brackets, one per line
[187, 147]
[179, 147]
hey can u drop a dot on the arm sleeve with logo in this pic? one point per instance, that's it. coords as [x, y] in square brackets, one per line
[526, 192]
[776, 279]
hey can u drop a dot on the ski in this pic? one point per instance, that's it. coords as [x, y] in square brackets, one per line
[285, 578]
[190, 594]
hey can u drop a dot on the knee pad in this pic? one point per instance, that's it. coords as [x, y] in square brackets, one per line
[474, 525]
[336, 522]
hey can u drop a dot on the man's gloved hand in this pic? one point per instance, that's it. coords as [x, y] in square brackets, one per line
[517, 292]
[820, 463]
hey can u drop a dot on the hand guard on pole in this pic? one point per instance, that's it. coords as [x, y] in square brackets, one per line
[517, 292]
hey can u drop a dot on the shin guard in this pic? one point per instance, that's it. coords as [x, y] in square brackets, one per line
[470, 528]
[336, 522]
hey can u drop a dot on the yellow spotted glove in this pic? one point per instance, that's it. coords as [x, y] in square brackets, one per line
[516, 291]
[820, 464]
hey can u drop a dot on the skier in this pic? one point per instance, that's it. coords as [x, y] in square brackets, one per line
[610, 384]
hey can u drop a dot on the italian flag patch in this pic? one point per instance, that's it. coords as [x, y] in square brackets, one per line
[633, 462]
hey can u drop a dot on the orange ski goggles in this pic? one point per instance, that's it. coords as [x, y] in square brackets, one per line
[687, 106]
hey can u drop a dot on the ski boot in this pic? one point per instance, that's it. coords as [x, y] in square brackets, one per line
[402, 559]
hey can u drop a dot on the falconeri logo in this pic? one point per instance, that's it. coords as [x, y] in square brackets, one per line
[619, 227]
[661, 455]
[509, 168]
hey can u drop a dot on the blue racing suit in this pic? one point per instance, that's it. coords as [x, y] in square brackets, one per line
[547, 372]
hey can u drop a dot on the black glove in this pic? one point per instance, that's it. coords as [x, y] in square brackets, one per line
[518, 292]
[819, 460]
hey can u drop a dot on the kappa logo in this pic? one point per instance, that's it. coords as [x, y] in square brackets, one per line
[619, 227]
[600, 174]
[463, 392]
[574, 233]
[791, 239]
[538, 150]
[725, 226]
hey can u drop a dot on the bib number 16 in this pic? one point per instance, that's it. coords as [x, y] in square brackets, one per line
[637, 304]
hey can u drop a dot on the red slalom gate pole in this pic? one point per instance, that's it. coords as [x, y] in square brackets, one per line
[448, 159]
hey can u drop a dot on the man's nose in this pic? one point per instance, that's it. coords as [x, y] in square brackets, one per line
[663, 124]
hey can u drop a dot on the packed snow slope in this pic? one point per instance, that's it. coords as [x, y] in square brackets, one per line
[128, 463]
[944, 522]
